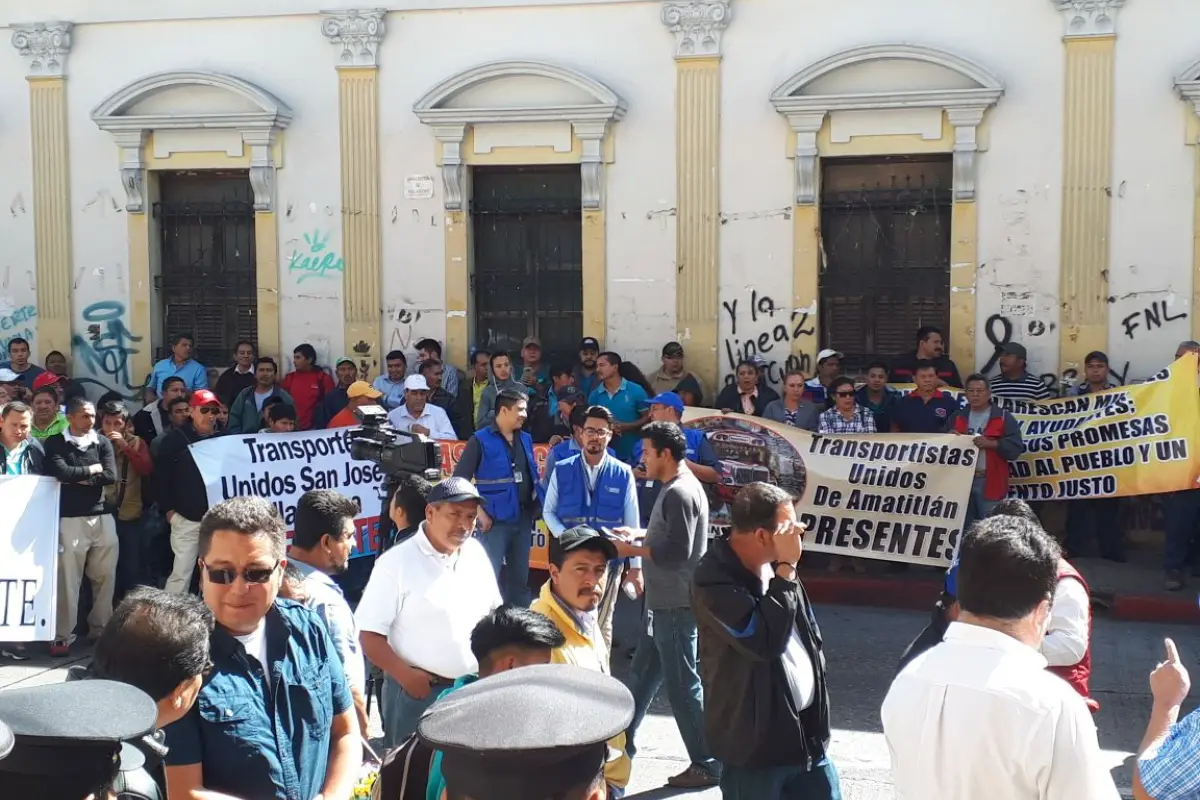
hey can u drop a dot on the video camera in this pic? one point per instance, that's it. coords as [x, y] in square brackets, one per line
[395, 451]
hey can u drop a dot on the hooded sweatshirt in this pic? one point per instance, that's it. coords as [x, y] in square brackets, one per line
[487, 401]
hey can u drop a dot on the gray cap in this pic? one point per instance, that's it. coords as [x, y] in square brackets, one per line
[454, 490]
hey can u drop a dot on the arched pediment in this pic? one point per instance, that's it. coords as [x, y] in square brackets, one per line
[191, 100]
[1187, 83]
[518, 91]
[889, 76]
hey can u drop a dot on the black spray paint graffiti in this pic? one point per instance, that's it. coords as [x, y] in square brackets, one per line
[999, 331]
[786, 327]
[1155, 316]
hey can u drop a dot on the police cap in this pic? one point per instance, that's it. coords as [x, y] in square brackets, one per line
[528, 733]
[71, 734]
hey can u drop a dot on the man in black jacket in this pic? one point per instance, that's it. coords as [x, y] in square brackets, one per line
[155, 419]
[766, 702]
[83, 462]
[181, 494]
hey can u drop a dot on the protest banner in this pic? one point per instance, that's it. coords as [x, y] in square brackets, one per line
[28, 558]
[1140, 439]
[281, 467]
[893, 497]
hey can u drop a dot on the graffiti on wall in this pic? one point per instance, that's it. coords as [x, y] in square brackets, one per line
[761, 327]
[102, 356]
[999, 332]
[16, 323]
[406, 327]
[316, 259]
[1156, 315]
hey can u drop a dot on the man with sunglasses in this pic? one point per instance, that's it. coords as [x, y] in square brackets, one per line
[180, 492]
[275, 718]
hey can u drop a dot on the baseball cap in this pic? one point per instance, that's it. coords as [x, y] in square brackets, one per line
[362, 389]
[454, 490]
[416, 383]
[589, 343]
[345, 360]
[828, 353]
[668, 399]
[1015, 349]
[44, 380]
[203, 397]
[531, 341]
[8, 376]
[758, 361]
[583, 536]
[672, 350]
[569, 394]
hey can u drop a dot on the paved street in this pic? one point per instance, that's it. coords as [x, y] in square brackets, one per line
[862, 645]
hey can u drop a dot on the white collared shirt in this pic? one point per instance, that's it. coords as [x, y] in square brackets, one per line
[82, 442]
[979, 716]
[432, 417]
[427, 603]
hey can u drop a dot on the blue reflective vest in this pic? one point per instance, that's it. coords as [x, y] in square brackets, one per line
[605, 507]
[495, 477]
[692, 436]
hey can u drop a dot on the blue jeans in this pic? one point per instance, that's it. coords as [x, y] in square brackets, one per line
[400, 712]
[666, 653]
[133, 568]
[1181, 524]
[781, 783]
[508, 543]
[977, 507]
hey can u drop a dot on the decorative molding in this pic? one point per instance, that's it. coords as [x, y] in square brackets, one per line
[698, 26]
[589, 122]
[258, 129]
[964, 108]
[358, 33]
[1089, 17]
[1188, 85]
[591, 167]
[45, 45]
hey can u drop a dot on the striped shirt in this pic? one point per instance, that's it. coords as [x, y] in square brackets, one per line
[1027, 387]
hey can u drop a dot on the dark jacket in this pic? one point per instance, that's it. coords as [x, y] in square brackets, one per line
[82, 492]
[151, 422]
[749, 710]
[448, 403]
[731, 399]
[244, 416]
[180, 488]
[331, 406]
[904, 369]
[33, 457]
[231, 383]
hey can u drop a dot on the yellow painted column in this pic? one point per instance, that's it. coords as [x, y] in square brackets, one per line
[1196, 256]
[698, 26]
[359, 34]
[45, 48]
[1090, 44]
[806, 239]
[964, 262]
[457, 267]
[266, 263]
[595, 274]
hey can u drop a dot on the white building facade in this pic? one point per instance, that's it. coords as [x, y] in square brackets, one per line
[746, 176]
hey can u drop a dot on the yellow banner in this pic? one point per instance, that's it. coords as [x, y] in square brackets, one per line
[893, 497]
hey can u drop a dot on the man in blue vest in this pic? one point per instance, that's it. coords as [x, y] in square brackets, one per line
[594, 488]
[499, 458]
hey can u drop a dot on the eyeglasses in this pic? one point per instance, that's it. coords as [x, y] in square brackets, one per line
[596, 433]
[209, 410]
[224, 577]
[844, 394]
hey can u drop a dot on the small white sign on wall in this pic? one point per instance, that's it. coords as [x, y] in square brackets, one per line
[418, 187]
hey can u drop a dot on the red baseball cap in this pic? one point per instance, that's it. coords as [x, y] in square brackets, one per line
[203, 397]
[44, 380]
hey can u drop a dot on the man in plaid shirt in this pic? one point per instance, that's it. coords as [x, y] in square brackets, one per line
[1168, 765]
[846, 416]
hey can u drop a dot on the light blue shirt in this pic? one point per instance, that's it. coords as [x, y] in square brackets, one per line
[393, 391]
[194, 375]
[1173, 772]
[325, 597]
[627, 405]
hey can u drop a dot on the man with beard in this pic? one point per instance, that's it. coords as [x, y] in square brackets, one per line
[579, 562]
[321, 547]
[155, 419]
[930, 347]
[586, 379]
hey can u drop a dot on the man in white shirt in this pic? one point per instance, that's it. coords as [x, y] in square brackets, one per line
[417, 415]
[978, 715]
[424, 598]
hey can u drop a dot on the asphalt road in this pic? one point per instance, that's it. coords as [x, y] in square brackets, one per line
[862, 645]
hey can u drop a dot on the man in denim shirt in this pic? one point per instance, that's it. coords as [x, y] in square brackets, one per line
[274, 718]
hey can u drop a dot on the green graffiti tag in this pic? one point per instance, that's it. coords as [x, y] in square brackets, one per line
[319, 262]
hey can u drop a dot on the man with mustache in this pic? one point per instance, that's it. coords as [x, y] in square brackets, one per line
[321, 546]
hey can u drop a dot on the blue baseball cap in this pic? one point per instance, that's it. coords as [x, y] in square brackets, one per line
[668, 399]
[951, 587]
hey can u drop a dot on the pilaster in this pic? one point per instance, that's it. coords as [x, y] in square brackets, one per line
[1090, 43]
[698, 27]
[359, 34]
[45, 48]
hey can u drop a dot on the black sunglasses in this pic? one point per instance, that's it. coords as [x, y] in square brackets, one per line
[845, 394]
[209, 410]
[224, 577]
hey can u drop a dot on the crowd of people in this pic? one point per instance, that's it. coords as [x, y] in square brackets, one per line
[261, 684]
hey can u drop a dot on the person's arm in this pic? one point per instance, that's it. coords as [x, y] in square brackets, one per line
[468, 462]
[758, 630]
[1168, 747]
[487, 408]
[139, 458]
[822, 425]
[550, 507]
[869, 420]
[108, 464]
[1066, 642]
[442, 431]
[237, 411]
[631, 515]
[199, 377]
[1009, 446]
[60, 468]
[345, 744]
[1076, 767]
[955, 378]
[704, 467]
[674, 546]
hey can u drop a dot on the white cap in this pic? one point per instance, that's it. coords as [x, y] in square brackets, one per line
[8, 376]
[824, 354]
[416, 383]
